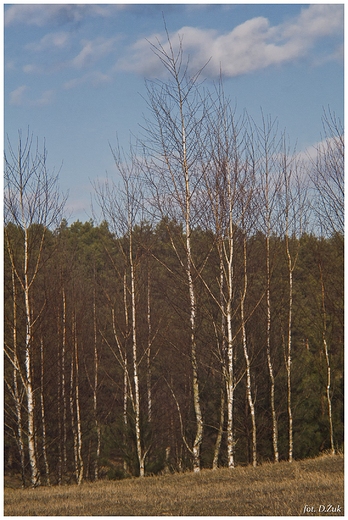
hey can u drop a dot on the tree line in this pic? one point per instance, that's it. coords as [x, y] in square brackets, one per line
[200, 323]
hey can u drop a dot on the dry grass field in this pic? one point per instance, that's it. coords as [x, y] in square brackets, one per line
[304, 487]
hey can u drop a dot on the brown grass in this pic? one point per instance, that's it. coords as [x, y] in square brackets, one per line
[271, 489]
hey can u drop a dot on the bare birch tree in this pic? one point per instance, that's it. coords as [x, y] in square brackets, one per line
[174, 148]
[121, 206]
[268, 144]
[224, 178]
[248, 210]
[327, 175]
[294, 194]
[33, 204]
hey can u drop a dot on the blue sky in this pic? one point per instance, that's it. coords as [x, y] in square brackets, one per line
[74, 73]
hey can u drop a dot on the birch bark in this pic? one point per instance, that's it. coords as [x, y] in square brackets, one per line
[149, 344]
[246, 356]
[141, 457]
[79, 475]
[43, 416]
[35, 474]
[327, 360]
[15, 391]
[95, 389]
[294, 204]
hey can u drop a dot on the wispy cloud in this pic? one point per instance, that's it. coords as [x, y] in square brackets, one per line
[252, 45]
[55, 14]
[57, 40]
[32, 68]
[94, 78]
[92, 51]
[19, 97]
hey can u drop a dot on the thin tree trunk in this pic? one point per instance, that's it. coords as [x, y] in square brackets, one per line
[59, 407]
[43, 417]
[222, 351]
[16, 394]
[35, 474]
[288, 352]
[135, 364]
[125, 371]
[220, 430]
[271, 186]
[196, 449]
[328, 368]
[247, 359]
[294, 205]
[95, 390]
[64, 400]
[149, 342]
[72, 415]
[269, 358]
[77, 403]
[229, 249]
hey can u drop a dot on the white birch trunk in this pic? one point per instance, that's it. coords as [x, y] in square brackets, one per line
[64, 399]
[220, 430]
[247, 359]
[229, 248]
[43, 417]
[149, 342]
[35, 474]
[16, 394]
[95, 390]
[125, 371]
[289, 344]
[295, 202]
[269, 358]
[222, 350]
[59, 408]
[269, 148]
[19, 425]
[141, 457]
[72, 416]
[79, 476]
[328, 368]
[196, 448]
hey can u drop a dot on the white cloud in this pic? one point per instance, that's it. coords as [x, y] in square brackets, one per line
[251, 46]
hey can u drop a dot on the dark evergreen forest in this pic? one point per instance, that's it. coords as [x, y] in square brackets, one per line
[199, 324]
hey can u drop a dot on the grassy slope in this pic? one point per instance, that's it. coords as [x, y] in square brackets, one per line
[282, 489]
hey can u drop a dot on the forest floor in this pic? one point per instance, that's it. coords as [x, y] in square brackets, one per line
[311, 487]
